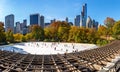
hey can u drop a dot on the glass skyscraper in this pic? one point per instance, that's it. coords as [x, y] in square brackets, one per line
[9, 22]
[89, 22]
[24, 23]
[34, 19]
[83, 16]
[77, 20]
[66, 19]
[42, 21]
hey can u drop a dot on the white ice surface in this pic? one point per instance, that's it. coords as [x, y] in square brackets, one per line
[47, 48]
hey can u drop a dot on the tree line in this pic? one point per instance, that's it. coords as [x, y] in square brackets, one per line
[64, 32]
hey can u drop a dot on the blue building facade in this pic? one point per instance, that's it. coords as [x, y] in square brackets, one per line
[83, 16]
[9, 22]
[34, 19]
[42, 23]
[77, 20]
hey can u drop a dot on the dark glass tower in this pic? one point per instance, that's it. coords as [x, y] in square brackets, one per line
[9, 22]
[77, 20]
[83, 15]
[42, 21]
[34, 19]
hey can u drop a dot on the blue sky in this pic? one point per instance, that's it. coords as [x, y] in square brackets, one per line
[60, 9]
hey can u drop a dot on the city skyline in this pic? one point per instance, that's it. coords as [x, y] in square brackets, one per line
[59, 10]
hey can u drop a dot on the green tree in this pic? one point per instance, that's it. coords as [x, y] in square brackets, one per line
[47, 33]
[78, 34]
[63, 33]
[50, 33]
[24, 39]
[53, 32]
[74, 34]
[102, 30]
[109, 22]
[28, 36]
[92, 36]
[18, 37]
[2, 33]
[83, 34]
[58, 24]
[116, 30]
[37, 33]
[77, 37]
[9, 36]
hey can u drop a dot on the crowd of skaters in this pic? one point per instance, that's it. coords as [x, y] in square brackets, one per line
[64, 47]
[47, 48]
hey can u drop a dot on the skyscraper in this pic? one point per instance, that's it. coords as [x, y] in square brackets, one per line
[66, 20]
[83, 15]
[52, 21]
[89, 22]
[77, 20]
[9, 22]
[24, 23]
[34, 19]
[95, 24]
[81, 20]
[42, 21]
[18, 27]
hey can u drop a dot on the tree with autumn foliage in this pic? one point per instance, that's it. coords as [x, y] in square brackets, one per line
[116, 30]
[9, 36]
[109, 22]
[102, 30]
[53, 30]
[92, 35]
[28, 37]
[50, 34]
[63, 33]
[47, 33]
[37, 33]
[2, 34]
[58, 24]
[57, 31]
[18, 37]
[81, 34]
[74, 34]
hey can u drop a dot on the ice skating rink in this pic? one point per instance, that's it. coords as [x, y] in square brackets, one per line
[46, 48]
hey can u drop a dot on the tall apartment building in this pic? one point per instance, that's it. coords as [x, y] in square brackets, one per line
[34, 19]
[9, 22]
[89, 23]
[66, 19]
[77, 20]
[42, 24]
[83, 17]
[18, 27]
